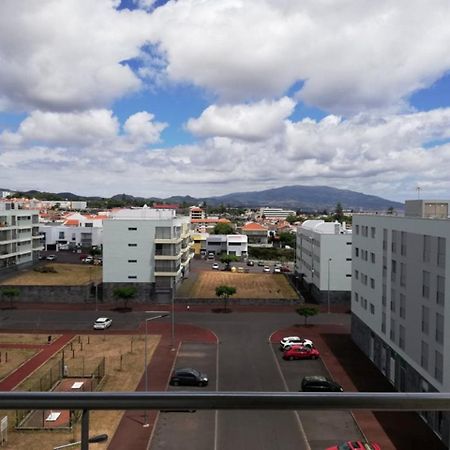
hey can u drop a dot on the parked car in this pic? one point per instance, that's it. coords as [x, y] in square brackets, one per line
[261, 263]
[240, 269]
[215, 266]
[211, 255]
[301, 352]
[318, 383]
[355, 445]
[41, 256]
[266, 269]
[50, 257]
[287, 342]
[88, 260]
[250, 263]
[102, 323]
[188, 377]
[277, 270]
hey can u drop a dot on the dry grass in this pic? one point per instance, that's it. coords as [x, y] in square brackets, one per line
[248, 285]
[123, 377]
[66, 275]
[16, 357]
[26, 338]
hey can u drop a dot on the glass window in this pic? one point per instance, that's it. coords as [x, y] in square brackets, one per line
[425, 284]
[402, 274]
[401, 337]
[441, 252]
[425, 320]
[440, 290]
[372, 257]
[372, 232]
[439, 328]
[402, 306]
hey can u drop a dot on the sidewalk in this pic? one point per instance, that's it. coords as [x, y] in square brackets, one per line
[349, 366]
[10, 382]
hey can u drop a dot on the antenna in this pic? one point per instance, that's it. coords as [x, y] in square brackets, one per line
[418, 189]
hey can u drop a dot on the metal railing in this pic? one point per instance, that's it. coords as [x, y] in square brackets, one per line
[87, 401]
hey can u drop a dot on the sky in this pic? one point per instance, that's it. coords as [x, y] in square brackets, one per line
[207, 97]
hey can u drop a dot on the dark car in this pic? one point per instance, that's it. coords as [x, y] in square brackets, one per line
[250, 263]
[318, 383]
[188, 377]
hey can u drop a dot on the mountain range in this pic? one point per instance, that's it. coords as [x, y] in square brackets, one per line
[305, 198]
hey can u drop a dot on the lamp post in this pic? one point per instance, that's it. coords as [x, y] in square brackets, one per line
[328, 295]
[147, 320]
[172, 293]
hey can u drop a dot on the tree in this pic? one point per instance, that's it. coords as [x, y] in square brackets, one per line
[223, 228]
[10, 292]
[339, 212]
[291, 219]
[228, 259]
[125, 293]
[288, 238]
[225, 292]
[390, 210]
[307, 311]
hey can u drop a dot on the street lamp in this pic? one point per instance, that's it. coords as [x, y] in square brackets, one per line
[328, 295]
[147, 320]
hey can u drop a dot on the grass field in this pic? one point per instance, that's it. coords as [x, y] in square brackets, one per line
[16, 357]
[248, 285]
[66, 275]
[26, 338]
[124, 367]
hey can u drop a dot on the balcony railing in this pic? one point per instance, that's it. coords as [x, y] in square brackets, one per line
[87, 401]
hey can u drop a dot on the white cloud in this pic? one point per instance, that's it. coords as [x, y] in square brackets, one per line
[249, 122]
[141, 128]
[356, 56]
[67, 55]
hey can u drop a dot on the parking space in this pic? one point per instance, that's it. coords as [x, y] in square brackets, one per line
[323, 428]
[190, 430]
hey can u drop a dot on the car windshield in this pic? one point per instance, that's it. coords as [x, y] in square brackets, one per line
[101, 320]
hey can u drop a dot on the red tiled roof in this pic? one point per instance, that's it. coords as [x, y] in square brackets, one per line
[165, 206]
[72, 222]
[253, 227]
[210, 221]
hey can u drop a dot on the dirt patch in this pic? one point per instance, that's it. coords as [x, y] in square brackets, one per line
[248, 285]
[124, 368]
[12, 358]
[38, 339]
[65, 275]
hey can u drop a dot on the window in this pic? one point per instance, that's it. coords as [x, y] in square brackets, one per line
[424, 355]
[372, 257]
[348, 259]
[372, 232]
[403, 243]
[132, 260]
[425, 320]
[383, 295]
[356, 274]
[402, 274]
[394, 241]
[393, 300]
[372, 283]
[392, 330]
[438, 363]
[440, 290]
[425, 284]
[441, 252]
[132, 229]
[356, 252]
[385, 237]
[61, 235]
[356, 297]
[357, 229]
[393, 270]
[132, 277]
[383, 322]
[365, 230]
[439, 328]
[372, 308]
[402, 306]
[132, 245]
[401, 337]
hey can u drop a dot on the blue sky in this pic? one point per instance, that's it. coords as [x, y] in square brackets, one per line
[202, 98]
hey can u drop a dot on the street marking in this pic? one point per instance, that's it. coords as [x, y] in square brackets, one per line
[286, 388]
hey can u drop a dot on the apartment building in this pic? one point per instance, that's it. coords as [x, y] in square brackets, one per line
[20, 240]
[401, 299]
[258, 235]
[146, 247]
[231, 244]
[323, 260]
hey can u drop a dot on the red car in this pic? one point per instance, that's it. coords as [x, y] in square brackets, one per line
[355, 445]
[301, 352]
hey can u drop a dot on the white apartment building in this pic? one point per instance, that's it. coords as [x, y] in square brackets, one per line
[276, 213]
[401, 299]
[20, 240]
[231, 244]
[77, 231]
[146, 247]
[323, 260]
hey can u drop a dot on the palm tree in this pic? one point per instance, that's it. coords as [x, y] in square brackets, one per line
[225, 292]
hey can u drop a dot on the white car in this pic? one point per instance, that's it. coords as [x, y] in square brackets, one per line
[215, 266]
[277, 270]
[266, 269]
[102, 323]
[50, 257]
[287, 342]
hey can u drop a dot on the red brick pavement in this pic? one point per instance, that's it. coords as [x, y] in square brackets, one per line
[10, 382]
[355, 372]
[131, 434]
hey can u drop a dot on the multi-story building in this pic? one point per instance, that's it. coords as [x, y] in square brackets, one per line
[231, 244]
[20, 240]
[257, 234]
[146, 247]
[197, 213]
[276, 213]
[323, 260]
[401, 299]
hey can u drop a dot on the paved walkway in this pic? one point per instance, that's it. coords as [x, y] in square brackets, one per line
[131, 434]
[10, 382]
[341, 356]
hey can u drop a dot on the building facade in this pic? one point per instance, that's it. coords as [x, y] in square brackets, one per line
[401, 301]
[276, 213]
[258, 235]
[146, 247]
[323, 260]
[20, 240]
[231, 244]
